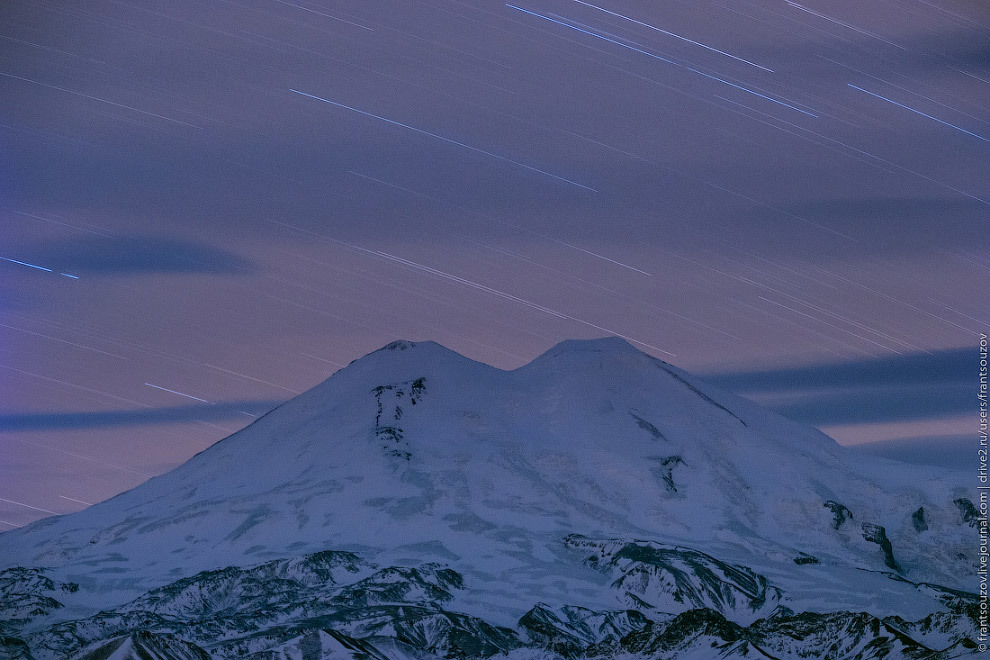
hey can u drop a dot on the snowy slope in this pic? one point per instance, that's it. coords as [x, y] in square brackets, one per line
[595, 477]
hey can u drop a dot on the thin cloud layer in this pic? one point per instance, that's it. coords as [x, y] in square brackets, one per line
[129, 255]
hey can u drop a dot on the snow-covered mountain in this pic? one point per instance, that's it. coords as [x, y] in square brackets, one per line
[595, 502]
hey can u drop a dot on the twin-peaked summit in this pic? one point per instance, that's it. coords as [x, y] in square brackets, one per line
[595, 477]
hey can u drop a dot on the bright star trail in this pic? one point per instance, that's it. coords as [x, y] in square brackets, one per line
[188, 396]
[24, 263]
[919, 112]
[444, 139]
[662, 59]
[671, 34]
[209, 207]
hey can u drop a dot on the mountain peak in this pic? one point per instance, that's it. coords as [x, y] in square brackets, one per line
[593, 465]
[611, 344]
[403, 354]
[403, 359]
[405, 344]
[581, 355]
[414, 350]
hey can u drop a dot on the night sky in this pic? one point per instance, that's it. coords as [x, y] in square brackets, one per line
[209, 206]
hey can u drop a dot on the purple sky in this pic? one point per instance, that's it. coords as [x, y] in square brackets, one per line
[207, 207]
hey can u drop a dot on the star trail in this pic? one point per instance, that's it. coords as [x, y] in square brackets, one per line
[210, 206]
